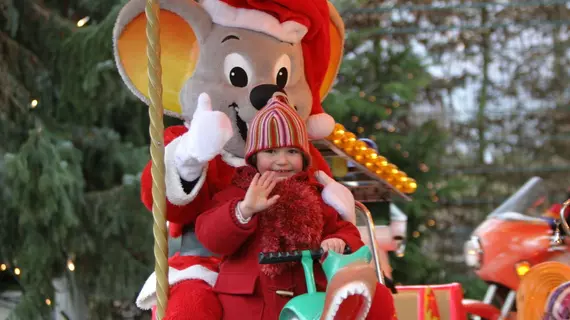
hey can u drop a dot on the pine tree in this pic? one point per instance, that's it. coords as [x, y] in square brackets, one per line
[73, 143]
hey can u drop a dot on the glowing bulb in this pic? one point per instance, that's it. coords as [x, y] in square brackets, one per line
[48, 302]
[17, 271]
[3, 267]
[416, 234]
[83, 21]
[34, 103]
[70, 265]
[431, 222]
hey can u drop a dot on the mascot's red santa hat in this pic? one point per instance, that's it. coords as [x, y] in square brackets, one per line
[291, 21]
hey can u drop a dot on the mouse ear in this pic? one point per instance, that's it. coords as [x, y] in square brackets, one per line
[183, 26]
[336, 26]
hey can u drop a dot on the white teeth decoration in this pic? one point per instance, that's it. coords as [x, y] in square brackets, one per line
[353, 288]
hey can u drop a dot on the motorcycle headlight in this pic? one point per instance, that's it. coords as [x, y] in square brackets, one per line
[522, 268]
[473, 252]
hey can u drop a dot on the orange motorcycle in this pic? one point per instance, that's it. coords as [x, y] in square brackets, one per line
[512, 239]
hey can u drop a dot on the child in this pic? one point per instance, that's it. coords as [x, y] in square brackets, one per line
[273, 204]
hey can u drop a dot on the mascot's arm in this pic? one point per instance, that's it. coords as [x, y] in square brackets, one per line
[319, 162]
[335, 227]
[219, 230]
[184, 199]
[334, 194]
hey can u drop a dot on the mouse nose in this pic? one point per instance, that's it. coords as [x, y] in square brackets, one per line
[262, 93]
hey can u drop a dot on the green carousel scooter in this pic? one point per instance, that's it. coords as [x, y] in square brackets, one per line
[351, 279]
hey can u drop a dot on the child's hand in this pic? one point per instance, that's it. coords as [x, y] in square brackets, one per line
[335, 244]
[256, 197]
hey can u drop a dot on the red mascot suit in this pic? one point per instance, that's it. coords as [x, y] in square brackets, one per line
[221, 61]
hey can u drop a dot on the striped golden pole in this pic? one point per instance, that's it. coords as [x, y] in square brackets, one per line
[156, 128]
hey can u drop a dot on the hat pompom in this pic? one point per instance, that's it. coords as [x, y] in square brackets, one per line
[320, 126]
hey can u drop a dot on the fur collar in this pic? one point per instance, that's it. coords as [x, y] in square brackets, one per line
[295, 222]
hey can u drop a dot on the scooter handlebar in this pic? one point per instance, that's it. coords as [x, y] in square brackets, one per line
[290, 256]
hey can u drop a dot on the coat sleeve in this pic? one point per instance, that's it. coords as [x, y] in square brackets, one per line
[336, 227]
[218, 228]
[185, 200]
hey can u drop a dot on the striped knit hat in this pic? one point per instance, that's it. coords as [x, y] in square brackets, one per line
[276, 126]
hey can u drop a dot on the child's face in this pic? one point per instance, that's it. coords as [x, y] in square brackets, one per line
[286, 162]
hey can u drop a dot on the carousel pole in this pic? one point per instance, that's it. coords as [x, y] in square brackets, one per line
[157, 155]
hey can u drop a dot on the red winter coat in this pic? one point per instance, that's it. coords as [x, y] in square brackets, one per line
[218, 177]
[299, 220]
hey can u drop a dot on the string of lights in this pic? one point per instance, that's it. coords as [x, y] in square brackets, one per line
[16, 272]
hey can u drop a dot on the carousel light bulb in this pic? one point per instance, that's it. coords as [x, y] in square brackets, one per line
[70, 265]
[431, 222]
[3, 267]
[17, 271]
[415, 234]
[48, 302]
[371, 154]
[34, 103]
[83, 21]
[338, 132]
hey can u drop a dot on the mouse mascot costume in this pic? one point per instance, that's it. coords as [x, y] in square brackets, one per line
[222, 60]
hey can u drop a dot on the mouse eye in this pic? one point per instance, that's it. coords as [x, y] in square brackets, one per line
[282, 71]
[237, 70]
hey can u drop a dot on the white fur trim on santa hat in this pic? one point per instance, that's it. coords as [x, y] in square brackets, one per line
[174, 190]
[256, 20]
[320, 126]
[147, 297]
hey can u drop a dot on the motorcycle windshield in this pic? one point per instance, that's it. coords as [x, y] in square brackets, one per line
[530, 200]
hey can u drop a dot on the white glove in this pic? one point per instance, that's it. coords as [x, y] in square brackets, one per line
[208, 134]
[337, 196]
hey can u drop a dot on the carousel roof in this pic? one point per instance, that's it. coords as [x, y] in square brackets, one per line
[372, 168]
